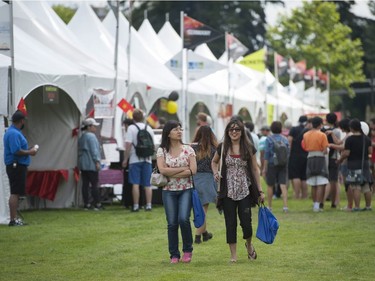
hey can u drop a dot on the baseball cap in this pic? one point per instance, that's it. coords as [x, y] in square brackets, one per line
[18, 116]
[90, 122]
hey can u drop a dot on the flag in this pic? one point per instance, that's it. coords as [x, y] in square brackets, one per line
[309, 77]
[300, 68]
[282, 65]
[153, 120]
[22, 106]
[196, 33]
[255, 60]
[125, 105]
[235, 48]
[91, 113]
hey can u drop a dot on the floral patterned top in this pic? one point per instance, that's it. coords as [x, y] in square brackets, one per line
[177, 184]
[238, 182]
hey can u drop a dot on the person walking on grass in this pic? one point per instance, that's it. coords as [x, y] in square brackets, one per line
[204, 145]
[239, 182]
[357, 149]
[276, 172]
[16, 158]
[177, 161]
[89, 163]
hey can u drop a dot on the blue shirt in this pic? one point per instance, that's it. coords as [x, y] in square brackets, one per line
[15, 141]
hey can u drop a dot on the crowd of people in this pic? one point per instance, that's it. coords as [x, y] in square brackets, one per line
[227, 173]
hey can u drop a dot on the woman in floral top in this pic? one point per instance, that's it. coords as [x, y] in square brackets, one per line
[177, 161]
[240, 187]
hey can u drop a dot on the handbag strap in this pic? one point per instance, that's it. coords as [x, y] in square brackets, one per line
[220, 166]
[363, 154]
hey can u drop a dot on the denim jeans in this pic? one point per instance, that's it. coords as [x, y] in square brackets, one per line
[177, 206]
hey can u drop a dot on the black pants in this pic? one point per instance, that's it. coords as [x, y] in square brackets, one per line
[243, 208]
[90, 178]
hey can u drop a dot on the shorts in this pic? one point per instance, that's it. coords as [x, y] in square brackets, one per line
[333, 170]
[17, 179]
[297, 167]
[140, 173]
[276, 174]
[317, 180]
[363, 188]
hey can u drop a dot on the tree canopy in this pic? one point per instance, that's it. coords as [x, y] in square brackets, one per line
[322, 40]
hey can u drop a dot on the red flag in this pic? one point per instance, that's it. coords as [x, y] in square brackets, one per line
[148, 87]
[196, 33]
[153, 120]
[22, 106]
[125, 105]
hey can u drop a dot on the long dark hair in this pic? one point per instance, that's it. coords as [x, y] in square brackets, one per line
[246, 147]
[205, 139]
[168, 127]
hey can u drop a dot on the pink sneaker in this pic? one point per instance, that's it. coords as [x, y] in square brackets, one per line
[175, 260]
[187, 257]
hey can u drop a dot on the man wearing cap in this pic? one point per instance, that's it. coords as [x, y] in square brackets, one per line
[298, 159]
[89, 163]
[264, 133]
[17, 158]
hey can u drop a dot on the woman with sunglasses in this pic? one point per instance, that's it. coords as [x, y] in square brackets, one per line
[177, 161]
[239, 185]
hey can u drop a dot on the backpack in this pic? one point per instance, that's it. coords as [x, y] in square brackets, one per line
[145, 143]
[280, 152]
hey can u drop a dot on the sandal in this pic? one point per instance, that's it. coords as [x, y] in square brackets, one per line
[251, 255]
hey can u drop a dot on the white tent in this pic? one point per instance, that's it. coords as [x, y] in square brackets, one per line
[150, 38]
[170, 38]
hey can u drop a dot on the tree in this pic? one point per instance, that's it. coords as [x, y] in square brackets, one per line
[314, 33]
[245, 19]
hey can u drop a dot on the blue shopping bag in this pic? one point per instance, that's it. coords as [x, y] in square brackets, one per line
[198, 210]
[267, 225]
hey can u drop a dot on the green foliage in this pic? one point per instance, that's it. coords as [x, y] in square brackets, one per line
[64, 12]
[116, 244]
[322, 41]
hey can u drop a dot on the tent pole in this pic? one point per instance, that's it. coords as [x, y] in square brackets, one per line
[11, 92]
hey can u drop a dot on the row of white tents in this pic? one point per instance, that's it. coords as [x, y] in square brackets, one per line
[79, 57]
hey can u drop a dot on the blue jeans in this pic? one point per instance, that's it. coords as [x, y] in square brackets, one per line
[177, 206]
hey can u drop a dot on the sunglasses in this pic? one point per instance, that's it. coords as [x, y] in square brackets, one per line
[231, 130]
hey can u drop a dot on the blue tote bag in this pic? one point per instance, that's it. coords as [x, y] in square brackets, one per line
[198, 210]
[267, 225]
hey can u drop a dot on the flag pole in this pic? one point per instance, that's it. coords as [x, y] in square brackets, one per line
[315, 91]
[276, 85]
[12, 91]
[183, 108]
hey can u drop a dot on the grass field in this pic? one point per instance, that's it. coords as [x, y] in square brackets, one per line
[116, 244]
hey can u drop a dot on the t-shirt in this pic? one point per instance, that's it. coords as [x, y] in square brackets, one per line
[182, 160]
[297, 133]
[131, 137]
[15, 141]
[354, 144]
[315, 140]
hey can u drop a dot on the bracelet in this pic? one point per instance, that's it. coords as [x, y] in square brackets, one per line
[191, 172]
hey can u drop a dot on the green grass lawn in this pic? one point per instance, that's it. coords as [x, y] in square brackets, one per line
[116, 244]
